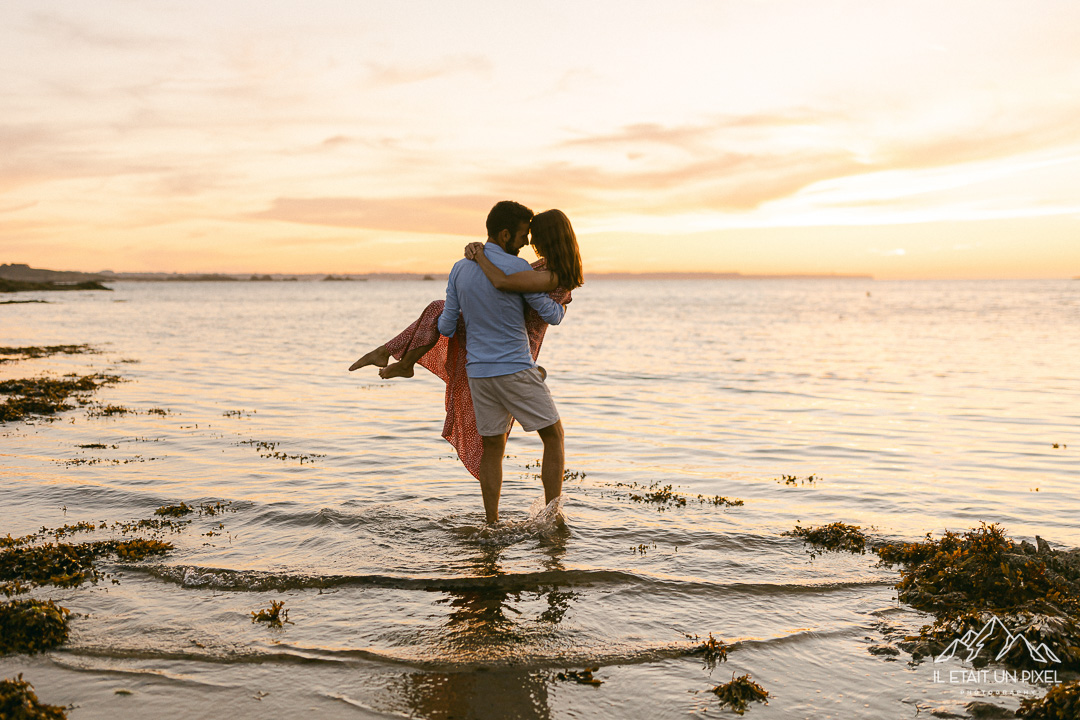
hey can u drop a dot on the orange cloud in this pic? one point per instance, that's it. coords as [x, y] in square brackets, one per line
[695, 137]
[451, 214]
[733, 182]
[386, 75]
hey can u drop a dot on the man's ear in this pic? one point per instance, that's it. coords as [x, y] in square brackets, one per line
[504, 236]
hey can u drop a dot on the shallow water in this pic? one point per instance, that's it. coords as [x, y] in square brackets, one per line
[915, 407]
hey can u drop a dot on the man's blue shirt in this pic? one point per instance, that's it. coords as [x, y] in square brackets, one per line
[497, 343]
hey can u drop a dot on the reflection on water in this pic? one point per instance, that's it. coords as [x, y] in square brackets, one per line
[489, 617]
[474, 694]
[482, 619]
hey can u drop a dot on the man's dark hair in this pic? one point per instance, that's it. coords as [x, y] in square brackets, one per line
[507, 215]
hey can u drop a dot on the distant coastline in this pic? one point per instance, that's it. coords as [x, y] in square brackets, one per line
[25, 273]
[722, 276]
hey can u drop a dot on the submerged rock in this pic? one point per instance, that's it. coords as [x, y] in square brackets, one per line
[988, 711]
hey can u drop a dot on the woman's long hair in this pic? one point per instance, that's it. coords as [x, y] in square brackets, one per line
[554, 240]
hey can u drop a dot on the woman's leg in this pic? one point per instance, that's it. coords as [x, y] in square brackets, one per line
[379, 356]
[408, 346]
[404, 367]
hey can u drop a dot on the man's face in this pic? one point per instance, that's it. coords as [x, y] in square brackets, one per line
[520, 239]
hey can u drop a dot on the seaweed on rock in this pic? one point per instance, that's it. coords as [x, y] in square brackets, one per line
[18, 701]
[979, 581]
[70, 564]
[979, 570]
[32, 626]
[1061, 702]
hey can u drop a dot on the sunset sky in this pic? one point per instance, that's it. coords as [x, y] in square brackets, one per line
[904, 140]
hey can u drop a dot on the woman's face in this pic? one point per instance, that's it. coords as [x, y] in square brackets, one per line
[539, 244]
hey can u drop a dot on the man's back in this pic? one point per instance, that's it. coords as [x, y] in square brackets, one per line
[494, 321]
[497, 343]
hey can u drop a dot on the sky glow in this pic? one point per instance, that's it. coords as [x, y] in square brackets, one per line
[901, 140]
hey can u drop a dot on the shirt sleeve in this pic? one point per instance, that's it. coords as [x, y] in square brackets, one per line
[448, 320]
[550, 311]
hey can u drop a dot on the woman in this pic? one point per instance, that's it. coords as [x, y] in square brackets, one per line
[557, 272]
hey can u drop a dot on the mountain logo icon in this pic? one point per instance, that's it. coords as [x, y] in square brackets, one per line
[973, 643]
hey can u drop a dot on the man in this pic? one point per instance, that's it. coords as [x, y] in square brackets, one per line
[503, 379]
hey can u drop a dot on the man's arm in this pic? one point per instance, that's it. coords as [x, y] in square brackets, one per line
[550, 311]
[451, 310]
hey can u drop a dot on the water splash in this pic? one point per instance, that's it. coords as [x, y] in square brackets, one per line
[544, 522]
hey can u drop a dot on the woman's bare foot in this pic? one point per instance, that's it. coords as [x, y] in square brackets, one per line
[379, 356]
[398, 369]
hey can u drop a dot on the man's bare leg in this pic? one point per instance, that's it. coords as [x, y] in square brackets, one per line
[379, 356]
[551, 472]
[404, 366]
[491, 474]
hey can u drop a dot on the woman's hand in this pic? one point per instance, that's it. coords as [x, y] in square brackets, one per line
[473, 249]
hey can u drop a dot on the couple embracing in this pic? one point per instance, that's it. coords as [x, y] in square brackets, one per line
[483, 340]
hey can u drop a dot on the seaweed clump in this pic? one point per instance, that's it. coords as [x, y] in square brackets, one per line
[984, 590]
[835, 536]
[175, 510]
[581, 677]
[32, 626]
[740, 692]
[28, 397]
[981, 569]
[25, 563]
[712, 651]
[661, 496]
[11, 286]
[69, 564]
[1062, 702]
[665, 496]
[14, 354]
[276, 615]
[18, 701]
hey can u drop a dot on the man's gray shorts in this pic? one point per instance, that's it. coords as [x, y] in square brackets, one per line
[522, 396]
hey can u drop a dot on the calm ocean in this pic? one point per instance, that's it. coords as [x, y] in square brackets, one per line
[901, 407]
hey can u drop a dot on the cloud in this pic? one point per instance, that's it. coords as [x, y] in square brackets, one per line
[707, 177]
[18, 206]
[695, 137]
[449, 214]
[390, 75]
[987, 142]
[724, 182]
[70, 32]
[335, 141]
[38, 167]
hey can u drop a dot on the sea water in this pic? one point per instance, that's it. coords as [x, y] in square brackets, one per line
[903, 407]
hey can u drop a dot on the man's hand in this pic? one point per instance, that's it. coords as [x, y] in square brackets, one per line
[473, 249]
